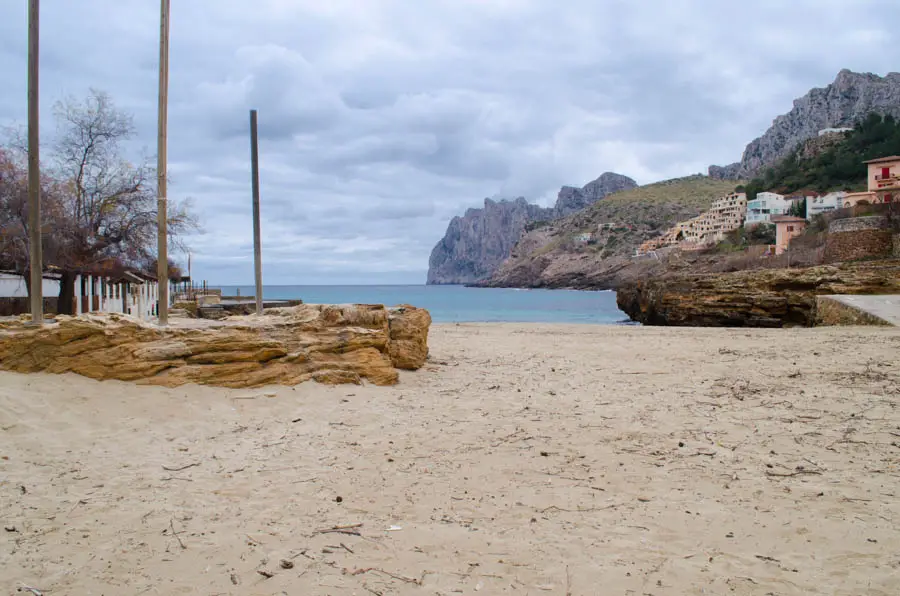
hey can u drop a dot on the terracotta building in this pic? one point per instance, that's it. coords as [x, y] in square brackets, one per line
[883, 183]
[786, 227]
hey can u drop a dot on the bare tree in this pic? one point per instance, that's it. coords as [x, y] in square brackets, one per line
[109, 203]
[98, 208]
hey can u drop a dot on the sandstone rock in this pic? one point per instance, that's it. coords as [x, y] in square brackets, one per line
[286, 346]
[848, 99]
[476, 244]
[757, 298]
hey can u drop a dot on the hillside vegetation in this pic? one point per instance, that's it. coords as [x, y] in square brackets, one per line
[839, 167]
[549, 255]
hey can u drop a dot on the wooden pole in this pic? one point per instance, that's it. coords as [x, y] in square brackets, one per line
[257, 248]
[162, 261]
[35, 250]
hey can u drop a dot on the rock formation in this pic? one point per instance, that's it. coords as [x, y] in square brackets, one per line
[571, 199]
[841, 104]
[477, 243]
[757, 298]
[286, 346]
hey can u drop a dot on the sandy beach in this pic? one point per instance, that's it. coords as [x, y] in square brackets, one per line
[523, 459]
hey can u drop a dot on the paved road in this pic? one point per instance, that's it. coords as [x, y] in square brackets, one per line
[884, 306]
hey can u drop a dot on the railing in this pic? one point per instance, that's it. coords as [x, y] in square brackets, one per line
[101, 294]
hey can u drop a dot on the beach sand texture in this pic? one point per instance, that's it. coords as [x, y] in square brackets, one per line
[523, 459]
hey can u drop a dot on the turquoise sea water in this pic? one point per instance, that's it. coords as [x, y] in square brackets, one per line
[458, 304]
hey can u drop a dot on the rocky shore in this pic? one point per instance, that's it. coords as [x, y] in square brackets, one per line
[327, 343]
[757, 298]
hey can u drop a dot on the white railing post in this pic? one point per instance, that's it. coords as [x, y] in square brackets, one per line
[90, 294]
[77, 295]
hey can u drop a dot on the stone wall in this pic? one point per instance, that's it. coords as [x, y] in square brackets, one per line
[831, 312]
[857, 238]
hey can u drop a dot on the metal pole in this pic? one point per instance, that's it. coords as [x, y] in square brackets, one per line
[257, 248]
[35, 252]
[162, 261]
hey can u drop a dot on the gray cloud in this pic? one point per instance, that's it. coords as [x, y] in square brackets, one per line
[381, 120]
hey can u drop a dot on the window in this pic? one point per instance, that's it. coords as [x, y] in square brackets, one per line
[790, 228]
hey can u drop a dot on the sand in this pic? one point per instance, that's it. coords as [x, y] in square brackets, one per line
[524, 459]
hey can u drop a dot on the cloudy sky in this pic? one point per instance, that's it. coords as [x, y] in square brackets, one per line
[381, 119]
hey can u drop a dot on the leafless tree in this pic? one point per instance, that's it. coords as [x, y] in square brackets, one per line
[100, 207]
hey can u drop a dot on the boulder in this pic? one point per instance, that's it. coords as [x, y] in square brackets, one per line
[756, 298]
[327, 343]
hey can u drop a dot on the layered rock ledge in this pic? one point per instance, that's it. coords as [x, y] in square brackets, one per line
[757, 298]
[286, 346]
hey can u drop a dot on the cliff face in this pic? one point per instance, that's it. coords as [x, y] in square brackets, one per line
[841, 104]
[758, 298]
[477, 243]
[571, 199]
[556, 255]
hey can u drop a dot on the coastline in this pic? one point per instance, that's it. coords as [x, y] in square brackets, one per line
[567, 456]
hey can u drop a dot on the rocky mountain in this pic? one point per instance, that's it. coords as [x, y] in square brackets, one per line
[841, 104]
[477, 243]
[571, 199]
[554, 255]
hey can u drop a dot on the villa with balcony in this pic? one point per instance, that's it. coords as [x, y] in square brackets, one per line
[884, 183]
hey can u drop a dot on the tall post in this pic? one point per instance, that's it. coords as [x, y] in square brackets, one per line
[162, 260]
[35, 251]
[257, 248]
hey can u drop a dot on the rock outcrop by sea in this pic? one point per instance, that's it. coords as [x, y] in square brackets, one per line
[326, 343]
[477, 243]
[843, 103]
[757, 298]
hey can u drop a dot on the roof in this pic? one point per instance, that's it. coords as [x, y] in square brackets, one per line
[786, 219]
[884, 159]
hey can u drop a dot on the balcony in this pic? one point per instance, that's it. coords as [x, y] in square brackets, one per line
[886, 181]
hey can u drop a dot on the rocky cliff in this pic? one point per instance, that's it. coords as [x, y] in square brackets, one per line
[477, 243]
[557, 255]
[758, 298]
[841, 104]
[571, 200]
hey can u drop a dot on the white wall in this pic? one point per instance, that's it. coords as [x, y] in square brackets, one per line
[13, 286]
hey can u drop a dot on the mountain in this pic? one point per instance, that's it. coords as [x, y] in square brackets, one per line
[479, 241]
[553, 255]
[845, 102]
[571, 199]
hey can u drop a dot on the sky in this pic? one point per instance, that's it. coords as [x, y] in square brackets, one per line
[382, 119]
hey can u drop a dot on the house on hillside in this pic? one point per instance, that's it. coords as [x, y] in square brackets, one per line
[726, 214]
[786, 228]
[883, 183]
[764, 206]
[824, 203]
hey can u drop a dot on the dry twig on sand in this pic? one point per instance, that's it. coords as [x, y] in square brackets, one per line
[174, 533]
[350, 530]
[409, 580]
[171, 469]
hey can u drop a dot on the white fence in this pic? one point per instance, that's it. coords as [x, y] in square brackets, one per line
[93, 293]
[101, 294]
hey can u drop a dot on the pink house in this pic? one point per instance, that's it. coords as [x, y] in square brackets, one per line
[884, 183]
[786, 227]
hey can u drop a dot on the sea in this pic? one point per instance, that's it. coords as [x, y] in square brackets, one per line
[459, 304]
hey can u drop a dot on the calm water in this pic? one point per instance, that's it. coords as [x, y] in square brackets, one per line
[458, 304]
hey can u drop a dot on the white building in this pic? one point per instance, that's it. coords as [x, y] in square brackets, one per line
[829, 202]
[826, 131]
[13, 285]
[764, 206]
